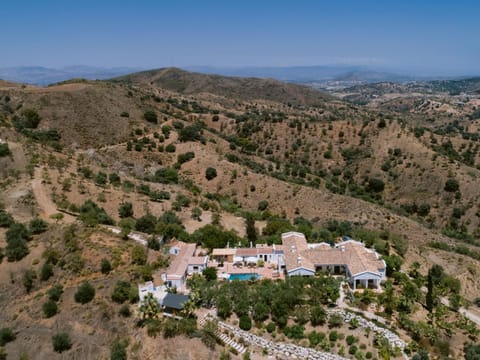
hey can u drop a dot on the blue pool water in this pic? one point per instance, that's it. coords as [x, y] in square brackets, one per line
[243, 277]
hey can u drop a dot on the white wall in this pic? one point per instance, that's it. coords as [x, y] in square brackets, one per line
[301, 272]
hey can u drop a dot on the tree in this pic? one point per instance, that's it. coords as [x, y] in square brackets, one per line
[16, 249]
[125, 210]
[210, 273]
[251, 231]
[61, 342]
[451, 185]
[91, 214]
[85, 293]
[146, 224]
[472, 352]
[139, 255]
[118, 350]
[245, 322]
[150, 116]
[50, 308]
[149, 307]
[375, 185]
[210, 173]
[28, 279]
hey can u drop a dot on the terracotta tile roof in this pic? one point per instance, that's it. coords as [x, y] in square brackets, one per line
[223, 252]
[178, 266]
[197, 260]
[351, 253]
[246, 252]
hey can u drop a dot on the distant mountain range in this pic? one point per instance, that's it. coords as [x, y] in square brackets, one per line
[38, 75]
[321, 76]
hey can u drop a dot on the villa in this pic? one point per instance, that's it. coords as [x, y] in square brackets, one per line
[295, 257]
[349, 258]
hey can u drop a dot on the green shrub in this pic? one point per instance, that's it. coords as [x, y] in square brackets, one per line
[139, 255]
[55, 292]
[125, 311]
[271, 327]
[37, 226]
[28, 279]
[451, 185]
[245, 322]
[210, 173]
[6, 335]
[118, 350]
[352, 349]
[61, 342]
[170, 148]
[85, 293]
[121, 291]
[105, 266]
[333, 336]
[50, 308]
[6, 219]
[150, 116]
[4, 150]
[46, 272]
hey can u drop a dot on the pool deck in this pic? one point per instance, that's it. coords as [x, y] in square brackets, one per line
[266, 272]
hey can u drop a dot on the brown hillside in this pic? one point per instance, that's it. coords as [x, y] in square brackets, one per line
[230, 87]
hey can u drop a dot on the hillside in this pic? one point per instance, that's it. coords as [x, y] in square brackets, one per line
[230, 87]
[187, 150]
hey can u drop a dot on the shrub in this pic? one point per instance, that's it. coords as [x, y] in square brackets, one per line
[4, 150]
[170, 148]
[16, 249]
[6, 219]
[139, 255]
[335, 320]
[451, 185]
[352, 349]
[146, 223]
[210, 173]
[185, 157]
[46, 271]
[271, 327]
[105, 266]
[262, 205]
[125, 311]
[50, 308]
[55, 292]
[85, 293]
[6, 335]
[61, 342]
[150, 116]
[121, 291]
[350, 339]
[333, 336]
[165, 175]
[375, 185]
[30, 119]
[118, 350]
[91, 214]
[245, 323]
[190, 133]
[28, 279]
[125, 210]
[37, 226]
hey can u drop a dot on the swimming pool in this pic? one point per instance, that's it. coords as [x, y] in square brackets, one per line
[243, 277]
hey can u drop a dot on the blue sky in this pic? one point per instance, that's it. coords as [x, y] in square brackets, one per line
[441, 37]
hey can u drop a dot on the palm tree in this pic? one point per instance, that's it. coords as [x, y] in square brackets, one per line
[149, 307]
[188, 308]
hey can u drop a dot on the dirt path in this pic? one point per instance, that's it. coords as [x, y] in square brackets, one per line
[46, 205]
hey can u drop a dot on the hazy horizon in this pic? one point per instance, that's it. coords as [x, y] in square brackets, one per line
[427, 38]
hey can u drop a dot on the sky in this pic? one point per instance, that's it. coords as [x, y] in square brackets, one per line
[433, 37]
